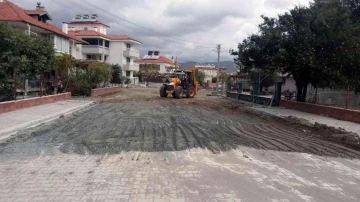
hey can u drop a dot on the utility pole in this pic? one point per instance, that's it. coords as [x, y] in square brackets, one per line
[218, 69]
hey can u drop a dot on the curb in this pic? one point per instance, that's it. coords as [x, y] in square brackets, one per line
[9, 132]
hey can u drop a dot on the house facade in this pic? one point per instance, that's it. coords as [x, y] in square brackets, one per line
[114, 49]
[38, 22]
[165, 65]
[209, 70]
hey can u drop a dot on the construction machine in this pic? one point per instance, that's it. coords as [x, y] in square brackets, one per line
[182, 83]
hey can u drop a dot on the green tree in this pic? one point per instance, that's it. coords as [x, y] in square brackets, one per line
[64, 66]
[116, 73]
[214, 80]
[200, 76]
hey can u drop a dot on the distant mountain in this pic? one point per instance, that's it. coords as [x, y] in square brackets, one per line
[229, 65]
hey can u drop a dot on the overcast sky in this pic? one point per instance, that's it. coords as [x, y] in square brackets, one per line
[188, 29]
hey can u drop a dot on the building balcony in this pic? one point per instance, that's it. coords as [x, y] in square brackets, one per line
[130, 52]
[129, 67]
[94, 49]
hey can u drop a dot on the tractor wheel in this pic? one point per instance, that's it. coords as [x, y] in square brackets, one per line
[178, 92]
[190, 93]
[163, 91]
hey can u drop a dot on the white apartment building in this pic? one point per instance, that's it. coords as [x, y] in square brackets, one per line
[38, 22]
[114, 49]
[165, 65]
[209, 70]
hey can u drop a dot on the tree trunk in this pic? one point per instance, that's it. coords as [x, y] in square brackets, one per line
[14, 87]
[347, 97]
[56, 81]
[41, 85]
[298, 93]
[303, 96]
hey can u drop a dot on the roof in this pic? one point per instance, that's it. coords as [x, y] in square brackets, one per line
[161, 59]
[80, 33]
[210, 68]
[88, 22]
[11, 12]
[34, 12]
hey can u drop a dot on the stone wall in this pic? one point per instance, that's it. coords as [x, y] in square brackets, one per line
[19, 104]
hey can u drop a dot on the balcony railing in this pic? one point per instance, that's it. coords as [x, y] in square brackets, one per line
[129, 67]
[130, 52]
[95, 49]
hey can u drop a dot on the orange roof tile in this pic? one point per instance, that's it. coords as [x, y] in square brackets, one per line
[88, 22]
[95, 33]
[161, 59]
[11, 12]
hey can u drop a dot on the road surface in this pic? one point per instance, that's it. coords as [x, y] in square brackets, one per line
[135, 146]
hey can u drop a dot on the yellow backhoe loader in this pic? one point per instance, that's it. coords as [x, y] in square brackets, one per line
[182, 83]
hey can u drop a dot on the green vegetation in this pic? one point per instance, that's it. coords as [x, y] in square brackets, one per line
[318, 44]
[200, 76]
[116, 73]
[22, 57]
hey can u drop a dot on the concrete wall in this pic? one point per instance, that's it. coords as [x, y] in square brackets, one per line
[104, 91]
[116, 56]
[19, 104]
[334, 112]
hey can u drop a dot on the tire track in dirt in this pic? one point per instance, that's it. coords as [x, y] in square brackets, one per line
[326, 146]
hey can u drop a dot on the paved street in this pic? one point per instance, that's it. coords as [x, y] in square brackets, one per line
[135, 146]
[17, 120]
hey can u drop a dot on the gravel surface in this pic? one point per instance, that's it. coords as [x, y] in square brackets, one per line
[138, 120]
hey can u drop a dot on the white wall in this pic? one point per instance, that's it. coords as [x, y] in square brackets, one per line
[116, 50]
[290, 84]
[100, 28]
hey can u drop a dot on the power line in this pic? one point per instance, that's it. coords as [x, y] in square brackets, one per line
[87, 9]
[141, 25]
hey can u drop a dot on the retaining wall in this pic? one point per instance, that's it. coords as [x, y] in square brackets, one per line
[105, 91]
[249, 98]
[334, 112]
[19, 104]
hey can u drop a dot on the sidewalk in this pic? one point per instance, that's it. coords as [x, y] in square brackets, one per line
[14, 121]
[312, 118]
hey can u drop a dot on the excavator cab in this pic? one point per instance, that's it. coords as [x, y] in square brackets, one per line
[182, 83]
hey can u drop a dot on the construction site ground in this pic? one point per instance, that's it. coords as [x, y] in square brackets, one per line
[136, 146]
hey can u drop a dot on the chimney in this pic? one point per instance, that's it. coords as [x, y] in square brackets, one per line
[39, 7]
[65, 28]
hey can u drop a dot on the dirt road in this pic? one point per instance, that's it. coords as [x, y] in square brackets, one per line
[200, 149]
[141, 121]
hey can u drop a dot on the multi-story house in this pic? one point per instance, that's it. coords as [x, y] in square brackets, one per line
[209, 70]
[38, 22]
[114, 49]
[164, 64]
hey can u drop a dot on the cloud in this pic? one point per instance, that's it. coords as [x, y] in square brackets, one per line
[188, 29]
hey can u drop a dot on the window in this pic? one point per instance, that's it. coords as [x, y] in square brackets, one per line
[128, 60]
[127, 73]
[88, 57]
[283, 80]
[107, 44]
[105, 58]
[128, 46]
